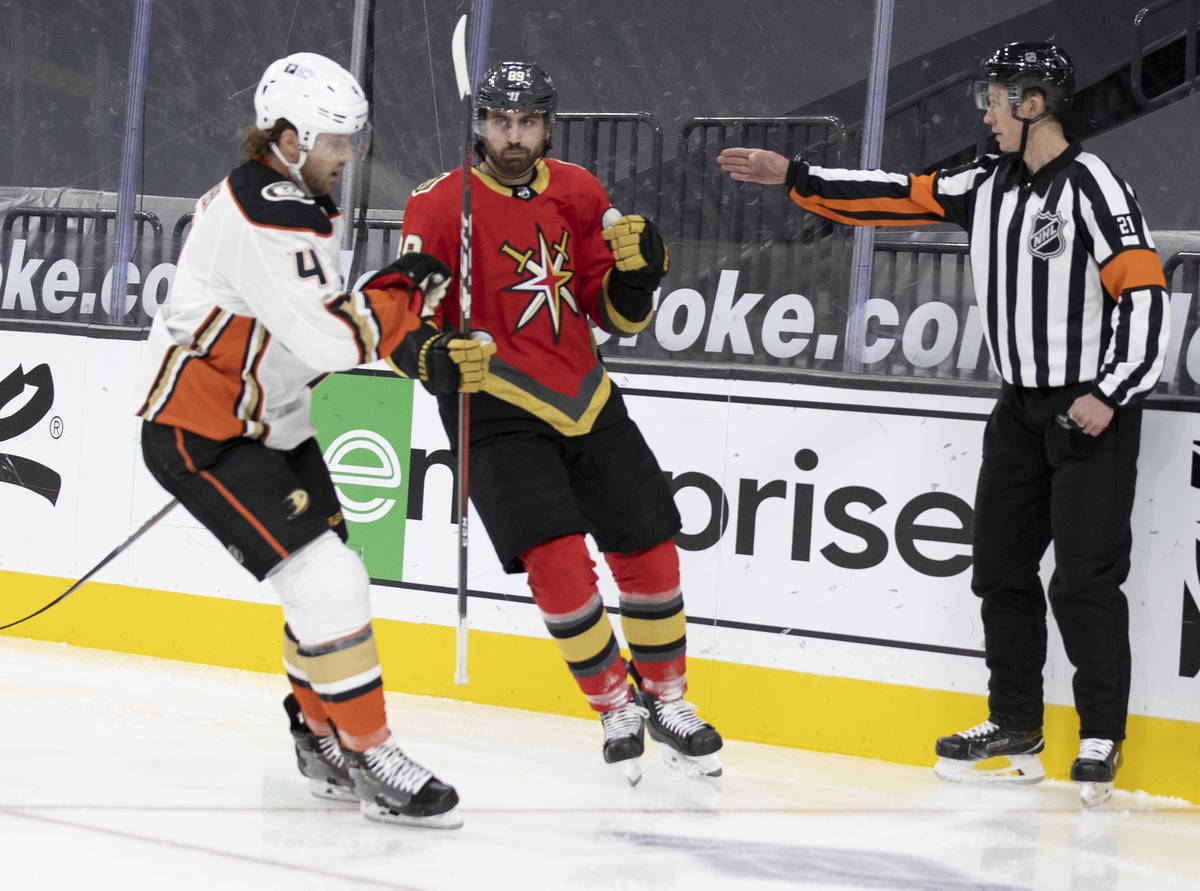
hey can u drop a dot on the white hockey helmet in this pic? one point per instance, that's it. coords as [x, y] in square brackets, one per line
[315, 94]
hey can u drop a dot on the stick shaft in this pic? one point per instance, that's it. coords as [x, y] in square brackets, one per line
[468, 69]
[464, 302]
[141, 530]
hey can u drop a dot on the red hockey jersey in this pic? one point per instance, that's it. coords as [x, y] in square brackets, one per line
[539, 279]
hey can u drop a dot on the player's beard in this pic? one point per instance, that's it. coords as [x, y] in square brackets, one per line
[320, 183]
[508, 164]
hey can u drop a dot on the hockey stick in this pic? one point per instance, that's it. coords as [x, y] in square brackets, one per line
[464, 76]
[358, 181]
[458, 50]
[162, 512]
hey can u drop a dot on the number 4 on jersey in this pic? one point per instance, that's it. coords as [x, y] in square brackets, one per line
[308, 265]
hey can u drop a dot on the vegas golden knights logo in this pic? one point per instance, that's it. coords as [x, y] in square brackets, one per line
[297, 501]
[545, 274]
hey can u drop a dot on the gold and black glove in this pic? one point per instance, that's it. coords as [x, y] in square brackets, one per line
[451, 363]
[639, 252]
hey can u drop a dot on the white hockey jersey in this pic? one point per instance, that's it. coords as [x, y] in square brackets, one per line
[257, 314]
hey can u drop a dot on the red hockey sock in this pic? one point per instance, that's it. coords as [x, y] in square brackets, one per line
[652, 617]
[563, 581]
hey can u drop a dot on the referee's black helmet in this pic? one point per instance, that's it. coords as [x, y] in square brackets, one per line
[1024, 65]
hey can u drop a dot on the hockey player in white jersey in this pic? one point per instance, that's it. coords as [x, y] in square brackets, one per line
[256, 316]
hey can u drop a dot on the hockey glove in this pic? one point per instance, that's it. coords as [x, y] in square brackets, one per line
[451, 363]
[427, 274]
[641, 257]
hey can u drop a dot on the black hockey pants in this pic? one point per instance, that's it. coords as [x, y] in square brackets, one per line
[1040, 483]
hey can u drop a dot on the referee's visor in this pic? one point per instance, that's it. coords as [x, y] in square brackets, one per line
[989, 94]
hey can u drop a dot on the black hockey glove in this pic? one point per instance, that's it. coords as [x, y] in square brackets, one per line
[450, 363]
[426, 273]
[639, 251]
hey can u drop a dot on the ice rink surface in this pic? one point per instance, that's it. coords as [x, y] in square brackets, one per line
[128, 772]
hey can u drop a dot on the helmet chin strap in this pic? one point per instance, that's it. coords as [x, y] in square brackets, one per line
[1026, 123]
[294, 169]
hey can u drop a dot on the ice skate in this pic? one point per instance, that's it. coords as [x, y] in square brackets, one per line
[961, 755]
[624, 737]
[688, 743]
[392, 788]
[319, 758]
[1094, 769]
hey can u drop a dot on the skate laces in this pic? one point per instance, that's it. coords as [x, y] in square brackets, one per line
[979, 730]
[1095, 749]
[679, 717]
[332, 752]
[393, 767]
[624, 721]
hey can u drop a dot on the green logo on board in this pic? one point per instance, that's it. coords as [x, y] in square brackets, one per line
[364, 428]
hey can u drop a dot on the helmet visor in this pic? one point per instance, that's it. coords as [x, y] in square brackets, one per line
[341, 146]
[991, 95]
[513, 124]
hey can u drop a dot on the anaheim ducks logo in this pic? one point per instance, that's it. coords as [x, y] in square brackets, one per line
[285, 190]
[297, 503]
[1046, 238]
[546, 274]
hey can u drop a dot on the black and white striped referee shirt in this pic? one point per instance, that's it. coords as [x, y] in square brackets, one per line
[1069, 286]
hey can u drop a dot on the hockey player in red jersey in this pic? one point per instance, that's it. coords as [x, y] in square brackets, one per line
[257, 314]
[554, 455]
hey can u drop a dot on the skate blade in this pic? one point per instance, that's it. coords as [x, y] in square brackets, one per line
[451, 819]
[1095, 794]
[330, 791]
[630, 769]
[1020, 770]
[698, 766]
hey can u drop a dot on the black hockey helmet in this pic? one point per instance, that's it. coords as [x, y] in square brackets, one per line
[517, 86]
[1024, 65]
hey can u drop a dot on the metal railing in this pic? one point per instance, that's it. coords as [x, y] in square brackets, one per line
[917, 121]
[382, 245]
[179, 233]
[1165, 51]
[711, 205]
[42, 227]
[728, 225]
[1182, 271]
[623, 151]
[84, 238]
[727, 239]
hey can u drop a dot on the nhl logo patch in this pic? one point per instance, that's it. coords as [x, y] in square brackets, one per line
[1046, 239]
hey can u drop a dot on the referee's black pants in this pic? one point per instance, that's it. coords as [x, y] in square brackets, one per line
[1040, 483]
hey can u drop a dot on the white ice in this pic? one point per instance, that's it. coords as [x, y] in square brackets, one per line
[128, 772]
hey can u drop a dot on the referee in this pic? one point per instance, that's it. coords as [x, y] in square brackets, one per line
[1073, 303]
